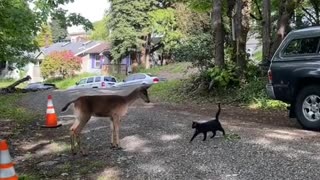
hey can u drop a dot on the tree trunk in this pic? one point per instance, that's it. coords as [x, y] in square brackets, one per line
[241, 25]
[148, 48]
[218, 32]
[233, 44]
[266, 30]
[245, 27]
[286, 11]
[134, 65]
[145, 52]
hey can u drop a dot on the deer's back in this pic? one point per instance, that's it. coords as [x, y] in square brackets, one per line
[102, 106]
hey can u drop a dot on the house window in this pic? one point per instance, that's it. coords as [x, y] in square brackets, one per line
[97, 62]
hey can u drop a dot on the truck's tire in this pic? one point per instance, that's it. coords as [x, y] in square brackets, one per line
[307, 107]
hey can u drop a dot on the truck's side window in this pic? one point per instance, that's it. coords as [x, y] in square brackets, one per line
[305, 46]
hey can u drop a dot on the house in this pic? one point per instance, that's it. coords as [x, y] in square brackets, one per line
[94, 54]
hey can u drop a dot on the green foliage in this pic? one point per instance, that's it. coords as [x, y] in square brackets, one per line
[223, 77]
[130, 23]
[101, 30]
[200, 5]
[196, 49]
[163, 23]
[45, 36]
[19, 24]
[60, 63]
[59, 32]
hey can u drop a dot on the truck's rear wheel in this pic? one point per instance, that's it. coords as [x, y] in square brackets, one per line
[308, 107]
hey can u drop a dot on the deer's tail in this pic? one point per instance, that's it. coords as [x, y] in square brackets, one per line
[66, 106]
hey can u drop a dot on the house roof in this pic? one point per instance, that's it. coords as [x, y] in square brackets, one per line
[75, 47]
[102, 47]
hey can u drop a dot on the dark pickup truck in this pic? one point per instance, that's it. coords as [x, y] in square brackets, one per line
[294, 76]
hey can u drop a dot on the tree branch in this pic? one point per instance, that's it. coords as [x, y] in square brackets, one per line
[254, 17]
[309, 14]
[156, 47]
[259, 10]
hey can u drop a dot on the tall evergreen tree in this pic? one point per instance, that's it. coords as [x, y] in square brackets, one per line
[59, 30]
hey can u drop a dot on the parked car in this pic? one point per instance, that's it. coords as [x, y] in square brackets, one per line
[138, 79]
[294, 76]
[96, 82]
[40, 86]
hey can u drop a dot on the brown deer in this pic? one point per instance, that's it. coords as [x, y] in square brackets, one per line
[112, 106]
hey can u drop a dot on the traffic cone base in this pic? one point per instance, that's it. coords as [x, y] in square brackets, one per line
[7, 171]
[51, 117]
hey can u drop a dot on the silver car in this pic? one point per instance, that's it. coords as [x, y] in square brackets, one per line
[138, 79]
[96, 82]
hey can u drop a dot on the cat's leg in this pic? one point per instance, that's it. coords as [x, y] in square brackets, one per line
[194, 135]
[222, 130]
[204, 136]
[213, 134]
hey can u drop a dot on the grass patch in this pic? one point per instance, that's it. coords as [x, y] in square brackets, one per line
[68, 82]
[10, 110]
[170, 68]
[166, 91]
[6, 82]
[28, 177]
[252, 94]
[232, 137]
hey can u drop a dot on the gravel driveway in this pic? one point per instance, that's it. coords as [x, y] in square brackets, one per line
[155, 138]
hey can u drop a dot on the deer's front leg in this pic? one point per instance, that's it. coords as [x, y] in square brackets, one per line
[72, 142]
[112, 132]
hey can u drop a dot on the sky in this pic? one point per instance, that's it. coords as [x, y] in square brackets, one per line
[90, 9]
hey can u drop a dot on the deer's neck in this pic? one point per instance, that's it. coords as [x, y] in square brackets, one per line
[132, 97]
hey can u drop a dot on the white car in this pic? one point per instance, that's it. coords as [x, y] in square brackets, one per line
[96, 82]
[138, 79]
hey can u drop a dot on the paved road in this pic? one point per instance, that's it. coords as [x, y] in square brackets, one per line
[156, 145]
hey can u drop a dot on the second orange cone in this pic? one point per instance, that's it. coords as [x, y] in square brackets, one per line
[51, 117]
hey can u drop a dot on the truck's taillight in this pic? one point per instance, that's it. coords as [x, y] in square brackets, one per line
[155, 80]
[270, 76]
[103, 84]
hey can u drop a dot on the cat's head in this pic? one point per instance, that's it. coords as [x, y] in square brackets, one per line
[194, 124]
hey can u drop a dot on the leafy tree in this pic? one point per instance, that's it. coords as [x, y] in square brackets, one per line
[44, 38]
[60, 63]
[130, 25]
[196, 49]
[101, 29]
[59, 31]
[20, 24]
[18, 28]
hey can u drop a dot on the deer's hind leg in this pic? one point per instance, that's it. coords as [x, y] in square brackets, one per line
[76, 128]
[115, 131]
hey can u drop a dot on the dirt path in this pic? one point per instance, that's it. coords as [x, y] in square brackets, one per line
[155, 138]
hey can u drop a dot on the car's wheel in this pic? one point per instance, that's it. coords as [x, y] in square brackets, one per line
[308, 107]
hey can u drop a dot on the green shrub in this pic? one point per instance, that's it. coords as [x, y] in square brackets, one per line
[63, 64]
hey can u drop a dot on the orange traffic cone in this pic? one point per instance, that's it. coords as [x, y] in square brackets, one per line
[51, 117]
[7, 171]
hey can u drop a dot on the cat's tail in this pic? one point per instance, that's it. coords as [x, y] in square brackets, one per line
[218, 113]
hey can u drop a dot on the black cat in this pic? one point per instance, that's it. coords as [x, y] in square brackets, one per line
[212, 125]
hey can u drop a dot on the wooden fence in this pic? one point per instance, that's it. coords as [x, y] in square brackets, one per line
[114, 69]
